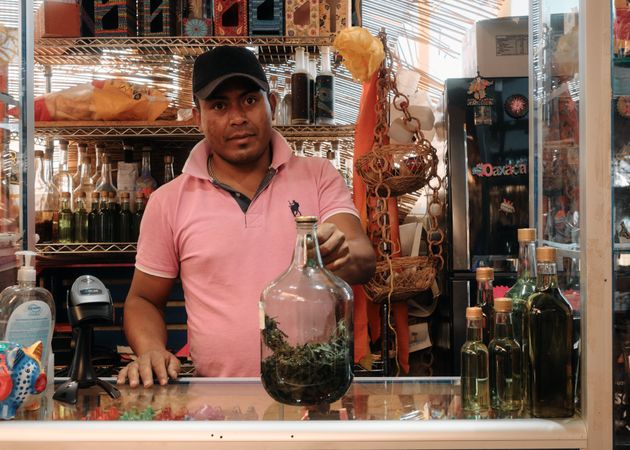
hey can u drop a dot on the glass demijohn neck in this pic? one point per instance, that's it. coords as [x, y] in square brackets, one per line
[306, 253]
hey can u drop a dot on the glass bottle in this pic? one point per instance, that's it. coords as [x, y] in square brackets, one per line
[550, 335]
[300, 100]
[485, 300]
[127, 174]
[169, 171]
[145, 183]
[474, 362]
[94, 225]
[82, 152]
[66, 220]
[99, 152]
[109, 219]
[54, 197]
[286, 105]
[324, 92]
[306, 328]
[312, 75]
[124, 219]
[44, 201]
[137, 218]
[273, 92]
[85, 182]
[506, 391]
[81, 222]
[63, 178]
[106, 185]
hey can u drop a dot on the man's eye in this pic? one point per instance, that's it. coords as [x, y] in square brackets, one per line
[251, 100]
[217, 106]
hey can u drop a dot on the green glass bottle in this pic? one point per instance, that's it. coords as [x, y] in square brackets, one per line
[506, 393]
[137, 217]
[94, 224]
[81, 220]
[485, 300]
[550, 341]
[124, 219]
[66, 220]
[109, 219]
[474, 361]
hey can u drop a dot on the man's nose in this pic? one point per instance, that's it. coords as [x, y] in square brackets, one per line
[237, 115]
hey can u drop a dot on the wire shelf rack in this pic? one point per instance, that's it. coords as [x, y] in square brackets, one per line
[91, 248]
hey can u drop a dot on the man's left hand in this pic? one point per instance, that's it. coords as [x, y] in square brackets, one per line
[333, 246]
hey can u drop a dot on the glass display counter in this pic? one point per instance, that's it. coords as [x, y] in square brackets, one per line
[383, 413]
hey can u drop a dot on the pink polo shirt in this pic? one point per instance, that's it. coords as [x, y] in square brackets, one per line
[195, 229]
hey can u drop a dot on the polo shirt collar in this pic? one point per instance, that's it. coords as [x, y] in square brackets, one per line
[197, 162]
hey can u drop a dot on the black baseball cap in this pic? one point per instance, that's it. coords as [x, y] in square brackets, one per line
[221, 63]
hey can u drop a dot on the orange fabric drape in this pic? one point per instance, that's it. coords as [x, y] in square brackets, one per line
[367, 314]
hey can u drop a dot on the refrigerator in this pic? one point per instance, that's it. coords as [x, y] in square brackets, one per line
[488, 198]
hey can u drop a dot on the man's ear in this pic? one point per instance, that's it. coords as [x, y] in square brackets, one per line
[197, 117]
[273, 103]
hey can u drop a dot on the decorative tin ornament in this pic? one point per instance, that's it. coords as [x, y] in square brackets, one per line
[302, 17]
[480, 100]
[230, 17]
[115, 18]
[266, 17]
[197, 27]
[333, 16]
[158, 17]
[516, 106]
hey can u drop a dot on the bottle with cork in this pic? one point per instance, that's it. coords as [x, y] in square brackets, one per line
[485, 300]
[474, 362]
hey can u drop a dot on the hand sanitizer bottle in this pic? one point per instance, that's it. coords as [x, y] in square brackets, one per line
[27, 314]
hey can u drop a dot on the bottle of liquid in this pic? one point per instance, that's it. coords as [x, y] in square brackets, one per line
[137, 218]
[306, 328]
[550, 333]
[169, 171]
[324, 92]
[474, 362]
[145, 184]
[312, 76]
[300, 100]
[54, 196]
[124, 219]
[506, 391]
[63, 178]
[128, 174]
[106, 185]
[66, 219]
[85, 182]
[94, 224]
[81, 221]
[99, 152]
[286, 105]
[82, 152]
[273, 92]
[485, 300]
[44, 201]
[27, 313]
[109, 219]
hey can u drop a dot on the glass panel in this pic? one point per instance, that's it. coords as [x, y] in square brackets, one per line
[620, 118]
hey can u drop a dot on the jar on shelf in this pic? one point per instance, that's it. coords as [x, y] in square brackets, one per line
[306, 328]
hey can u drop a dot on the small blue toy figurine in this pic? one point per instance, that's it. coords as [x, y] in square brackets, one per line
[20, 375]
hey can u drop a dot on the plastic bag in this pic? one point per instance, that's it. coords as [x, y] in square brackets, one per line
[113, 100]
[362, 53]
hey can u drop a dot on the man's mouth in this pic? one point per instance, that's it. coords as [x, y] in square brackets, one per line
[236, 137]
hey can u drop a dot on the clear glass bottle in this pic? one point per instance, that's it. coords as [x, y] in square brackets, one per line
[81, 222]
[137, 218]
[145, 183]
[82, 152]
[474, 362]
[324, 92]
[485, 300]
[306, 328]
[124, 219]
[506, 392]
[54, 196]
[66, 219]
[85, 182]
[94, 224]
[44, 201]
[99, 152]
[63, 178]
[550, 334]
[169, 171]
[106, 185]
[300, 100]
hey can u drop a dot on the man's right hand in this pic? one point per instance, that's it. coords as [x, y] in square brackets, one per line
[161, 362]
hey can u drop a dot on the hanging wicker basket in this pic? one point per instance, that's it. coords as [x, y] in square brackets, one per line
[411, 276]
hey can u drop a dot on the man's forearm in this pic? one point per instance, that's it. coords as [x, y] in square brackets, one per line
[144, 326]
[361, 266]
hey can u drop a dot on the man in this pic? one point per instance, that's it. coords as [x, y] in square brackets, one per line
[226, 227]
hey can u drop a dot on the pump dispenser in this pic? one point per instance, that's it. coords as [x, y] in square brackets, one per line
[27, 312]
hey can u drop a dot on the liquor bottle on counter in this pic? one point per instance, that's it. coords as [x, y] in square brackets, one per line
[109, 219]
[44, 201]
[124, 219]
[66, 220]
[85, 182]
[485, 300]
[169, 171]
[324, 92]
[106, 185]
[474, 362]
[137, 218]
[99, 152]
[506, 392]
[63, 178]
[145, 184]
[82, 153]
[300, 99]
[94, 233]
[312, 76]
[550, 335]
[81, 224]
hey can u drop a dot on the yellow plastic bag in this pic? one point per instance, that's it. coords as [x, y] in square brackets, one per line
[362, 53]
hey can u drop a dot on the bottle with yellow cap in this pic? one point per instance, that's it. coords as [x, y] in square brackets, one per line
[474, 361]
[550, 340]
[485, 300]
[506, 393]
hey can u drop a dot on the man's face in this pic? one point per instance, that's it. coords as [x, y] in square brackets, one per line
[236, 121]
